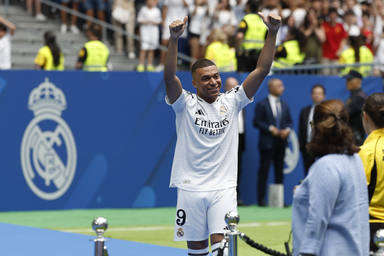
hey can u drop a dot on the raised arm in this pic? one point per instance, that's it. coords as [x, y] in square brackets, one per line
[173, 85]
[256, 77]
[9, 25]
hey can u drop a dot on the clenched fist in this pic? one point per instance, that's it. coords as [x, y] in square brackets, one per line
[177, 28]
[272, 21]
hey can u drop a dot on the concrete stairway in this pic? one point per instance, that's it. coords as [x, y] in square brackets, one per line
[29, 38]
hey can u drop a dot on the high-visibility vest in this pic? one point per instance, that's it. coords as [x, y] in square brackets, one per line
[45, 58]
[348, 57]
[97, 56]
[223, 56]
[255, 34]
[294, 56]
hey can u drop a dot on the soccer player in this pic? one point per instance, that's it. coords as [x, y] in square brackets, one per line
[205, 162]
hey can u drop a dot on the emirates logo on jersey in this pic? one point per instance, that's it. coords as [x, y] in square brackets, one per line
[210, 128]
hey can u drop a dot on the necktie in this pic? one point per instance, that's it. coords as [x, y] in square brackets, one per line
[278, 113]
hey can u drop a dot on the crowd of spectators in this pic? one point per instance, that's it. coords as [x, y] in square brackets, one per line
[326, 31]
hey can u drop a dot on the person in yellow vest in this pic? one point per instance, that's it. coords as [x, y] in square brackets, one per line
[250, 37]
[220, 52]
[95, 54]
[372, 156]
[356, 52]
[50, 56]
[291, 51]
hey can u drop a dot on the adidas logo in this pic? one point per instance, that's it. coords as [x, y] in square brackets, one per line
[199, 112]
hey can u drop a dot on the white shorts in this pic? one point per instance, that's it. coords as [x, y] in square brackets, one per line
[200, 214]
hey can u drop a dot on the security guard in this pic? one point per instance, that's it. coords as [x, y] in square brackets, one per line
[221, 53]
[290, 52]
[354, 104]
[95, 54]
[50, 56]
[250, 38]
[351, 56]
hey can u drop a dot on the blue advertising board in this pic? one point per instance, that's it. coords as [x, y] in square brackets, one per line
[106, 140]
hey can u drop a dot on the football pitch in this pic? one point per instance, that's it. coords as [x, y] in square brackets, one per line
[268, 226]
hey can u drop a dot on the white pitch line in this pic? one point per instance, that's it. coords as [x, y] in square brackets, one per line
[153, 228]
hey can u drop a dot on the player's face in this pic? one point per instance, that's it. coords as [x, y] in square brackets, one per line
[207, 82]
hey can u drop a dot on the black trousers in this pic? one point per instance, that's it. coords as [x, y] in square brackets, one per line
[240, 162]
[246, 62]
[276, 155]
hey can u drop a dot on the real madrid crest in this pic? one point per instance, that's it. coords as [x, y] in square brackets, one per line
[180, 232]
[48, 150]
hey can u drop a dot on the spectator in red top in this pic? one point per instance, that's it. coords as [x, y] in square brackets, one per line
[335, 39]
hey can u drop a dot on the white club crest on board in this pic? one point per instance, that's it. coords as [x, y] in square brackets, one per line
[48, 150]
[292, 153]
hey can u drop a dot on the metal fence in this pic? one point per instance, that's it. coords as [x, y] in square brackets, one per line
[321, 69]
[312, 69]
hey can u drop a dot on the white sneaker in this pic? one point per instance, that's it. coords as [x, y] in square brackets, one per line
[131, 55]
[40, 17]
[74, 29]
[63, 29]
[159, 68]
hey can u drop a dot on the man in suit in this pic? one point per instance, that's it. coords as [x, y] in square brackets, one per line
[305, 129]
[273, 119]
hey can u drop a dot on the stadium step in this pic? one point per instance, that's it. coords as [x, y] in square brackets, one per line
[29, 38]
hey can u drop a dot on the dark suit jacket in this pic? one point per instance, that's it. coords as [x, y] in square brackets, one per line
[303, 126]
[264, 118]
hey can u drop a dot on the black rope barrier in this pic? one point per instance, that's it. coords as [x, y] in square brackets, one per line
[261, 247]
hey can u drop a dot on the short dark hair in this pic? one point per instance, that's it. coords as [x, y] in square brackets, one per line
[201, 63]
[331, 132]
[374, 107]
[349, 13]
[96, 30]
[332, 9]
[3, 27]
[319, 86]
[253, 5]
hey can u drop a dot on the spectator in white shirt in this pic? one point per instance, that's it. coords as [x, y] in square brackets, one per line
[7, 29]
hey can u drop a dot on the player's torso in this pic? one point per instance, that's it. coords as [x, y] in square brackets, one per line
[208, 121]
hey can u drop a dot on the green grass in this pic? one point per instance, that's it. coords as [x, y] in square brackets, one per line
[269, 226]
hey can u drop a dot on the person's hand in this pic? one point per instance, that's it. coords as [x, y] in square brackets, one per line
[284, 134]
[177, 28]
[272, 21]
[274, 131]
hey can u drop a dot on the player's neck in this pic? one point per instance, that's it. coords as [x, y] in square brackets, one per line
[209, 100]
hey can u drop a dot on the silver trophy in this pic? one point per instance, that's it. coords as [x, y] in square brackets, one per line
[232, 219]
[379, 241]
[100, 225]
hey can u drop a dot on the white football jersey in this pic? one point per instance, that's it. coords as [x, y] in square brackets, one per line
[207, 141]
